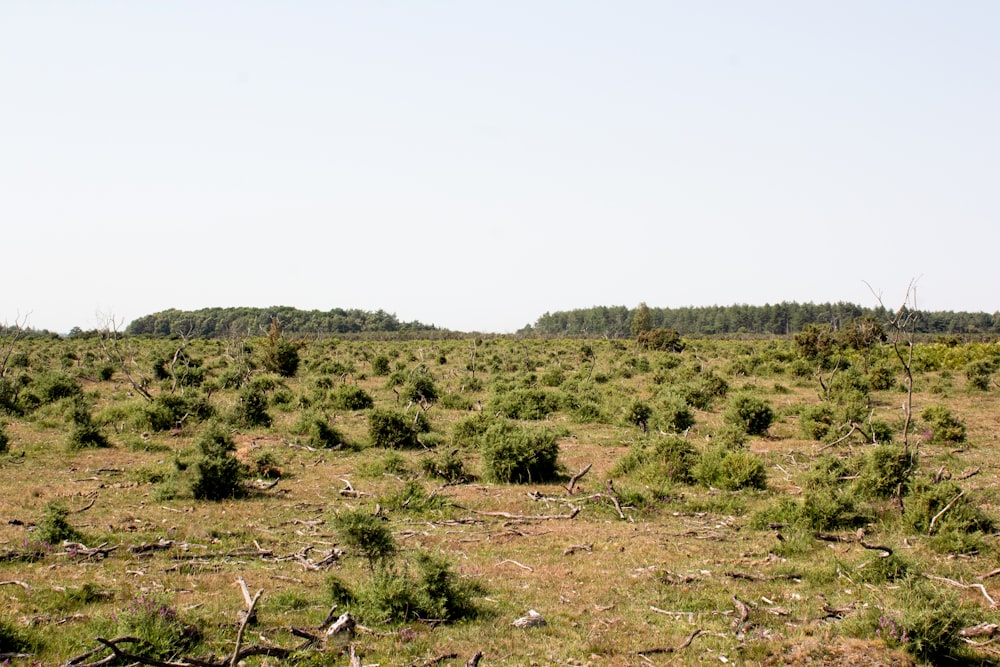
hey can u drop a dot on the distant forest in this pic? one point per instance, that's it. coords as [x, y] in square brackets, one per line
[222, 322]
[779, 319]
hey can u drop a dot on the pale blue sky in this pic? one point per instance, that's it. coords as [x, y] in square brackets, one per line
[475, 164]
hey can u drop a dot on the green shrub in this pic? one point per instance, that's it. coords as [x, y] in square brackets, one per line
[925, 622]
[217, 474]
[368, 534]
[4, 439]
[392, 429]
[525, 404]
[638, 414]
[885, 472]
[661, 340]
[167, 411]
[318, 431]
[250, 410]
[434, 591]
[730, 436]
[351, 397]
[831, 508]
[380, 366]
[84, 433]
[730, 470]
[927, 499]
[945, 427]
[468, 431]
[52, 386]
[816, 422]
[514, 454]
[672, 413]
[704, 390]
[978, 374]
[161, 631]
[671, 458]
[12, 639]
[54, 527]
[420, 388]
[881, 377]
[751, 413]
[447, 466]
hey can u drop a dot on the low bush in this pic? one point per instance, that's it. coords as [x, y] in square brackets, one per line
[672, 413]
[54, 528]
[161, 631]
[750, 412]
[978, 374]
[730, 469]
[671, 458]
[525, 404]
[351, 397]
[517, 455]
[447, 466]
[391, 429]
[217, 474]
[318, 431]
[944, 426]
[368, 535]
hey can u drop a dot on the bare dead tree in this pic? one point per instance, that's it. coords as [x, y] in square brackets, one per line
[901, 329]
[8, 343]
[178, 356]
[121, 353]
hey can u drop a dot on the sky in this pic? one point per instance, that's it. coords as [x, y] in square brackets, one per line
[474, 165]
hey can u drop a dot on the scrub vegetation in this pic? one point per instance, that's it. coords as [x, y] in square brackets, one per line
[828, 497]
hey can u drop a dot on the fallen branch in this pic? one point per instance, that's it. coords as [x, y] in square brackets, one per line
[573, 548]
[576, 478]
[672, 649]
[930, 527]
[958, 584]
[248, 617]
[758, 577]
[14, 582]
[529, 517]
[514, 562]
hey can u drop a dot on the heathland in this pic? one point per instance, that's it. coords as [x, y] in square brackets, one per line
[827, 497]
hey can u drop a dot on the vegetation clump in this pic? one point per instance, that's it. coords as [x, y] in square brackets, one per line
[391, 429]
[749, 412]
[516, 455]
[218, 474]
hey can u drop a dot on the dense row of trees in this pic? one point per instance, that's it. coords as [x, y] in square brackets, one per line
[221, 322]
[778, 319]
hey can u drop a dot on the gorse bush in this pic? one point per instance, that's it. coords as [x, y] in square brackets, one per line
[944, 426]
[218, 475]
[670, 459]
[730, 469]
[351, 397]
[978, 374]
[447, 466]
[54, 527]
[672, 413]
[367, 534]
[250, 410]
[751, 413]
[638, 414]
[420, 388]
[391, 429]
[525, 404]
[84, 432]
[318, 431]
[514, 454]
[4, 439]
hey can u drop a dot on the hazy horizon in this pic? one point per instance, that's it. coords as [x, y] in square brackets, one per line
[473, 166]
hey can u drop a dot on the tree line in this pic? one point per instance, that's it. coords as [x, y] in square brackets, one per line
[223, 322]
[778, 319]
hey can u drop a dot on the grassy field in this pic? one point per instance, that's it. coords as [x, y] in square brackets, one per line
[827, 537]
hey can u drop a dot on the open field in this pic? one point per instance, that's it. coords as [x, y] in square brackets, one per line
[687, 540]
